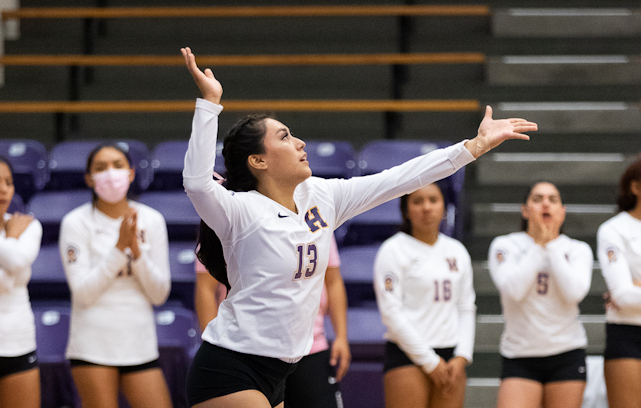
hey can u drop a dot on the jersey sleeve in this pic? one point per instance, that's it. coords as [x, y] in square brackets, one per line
[467, 311]
[87, 281]
[572, 269]
[220, 208]
[388, 286]
[514, 275]
[612, 255]
[16, 254]
[152, 267]
[359, 194]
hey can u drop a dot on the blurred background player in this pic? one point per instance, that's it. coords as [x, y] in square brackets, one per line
[115, 255]
[424, 291]
[541, 275]
[619, 253]
[20, 237]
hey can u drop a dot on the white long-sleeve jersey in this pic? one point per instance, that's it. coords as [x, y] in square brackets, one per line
[276, 259]
[540, 289]
[426, 297]
[619, 253]
[17, 327]
[112, 320]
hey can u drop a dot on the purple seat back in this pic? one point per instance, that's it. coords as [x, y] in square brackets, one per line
[178, 327]
[49, 207]
[16, 205]
[29, 161]
[181, 217]
[168, 162]
[52, 332]
[331, 159]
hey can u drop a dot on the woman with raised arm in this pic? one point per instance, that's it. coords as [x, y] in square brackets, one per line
[273, 232]
[116, 258]
[424, 291]
[542, 275]
[20, 237]
[619, 253]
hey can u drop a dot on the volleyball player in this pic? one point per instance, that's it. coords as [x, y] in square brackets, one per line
[619, 253]
[272, 239]
[542, 275]
[115, 254]
[20, 237]
[424, 291]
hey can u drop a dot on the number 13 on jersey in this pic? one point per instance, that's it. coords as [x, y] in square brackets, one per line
[307, 255]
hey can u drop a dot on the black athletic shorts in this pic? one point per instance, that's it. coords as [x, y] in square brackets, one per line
[622, 341]
[217, 371]
[12, 365]
[313, 384]
[566, 366]
[121, 369]
[395, 357]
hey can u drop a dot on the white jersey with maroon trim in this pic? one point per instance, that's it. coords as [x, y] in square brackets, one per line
[619, 252]
[112, 320]
[426, 297]
[540, 292]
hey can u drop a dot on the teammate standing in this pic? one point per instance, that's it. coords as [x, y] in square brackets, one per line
[20, 237]
[542, 275]
[619, 252]
[424, 291]
[115, 256]
[274, 230]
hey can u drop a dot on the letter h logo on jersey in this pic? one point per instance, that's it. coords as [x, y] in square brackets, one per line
[314, 220]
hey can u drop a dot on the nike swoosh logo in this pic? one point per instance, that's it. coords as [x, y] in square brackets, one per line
[282, 216]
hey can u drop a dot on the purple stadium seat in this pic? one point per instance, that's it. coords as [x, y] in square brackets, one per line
[68, 161]
[52, 331]
[365, 332]
[180, 215]
[168, 160]
[331, 159]
[16, 205]
[362, 386]
[375, 225]
[49, 207]
[357, 269]
[29, 161]
[183, 274]
[48, 280]
[178, 341]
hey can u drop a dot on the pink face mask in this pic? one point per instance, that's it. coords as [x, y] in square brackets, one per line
[112, 185]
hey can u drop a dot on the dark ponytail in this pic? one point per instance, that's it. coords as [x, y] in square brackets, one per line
[244, 139]
[627, 201]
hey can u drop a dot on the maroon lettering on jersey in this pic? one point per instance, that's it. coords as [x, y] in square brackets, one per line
[451, 262]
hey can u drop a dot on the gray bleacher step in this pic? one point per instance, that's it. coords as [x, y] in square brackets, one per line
[490, 327]
[581, 220]
[575, 117]
[564, 70]
[558, 168]
[481, 392]
[483, 284]
[566, 22]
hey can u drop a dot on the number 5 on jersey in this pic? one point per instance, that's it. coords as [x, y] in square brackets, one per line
[309, 253]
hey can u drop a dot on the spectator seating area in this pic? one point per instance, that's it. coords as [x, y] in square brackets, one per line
[366, 86]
